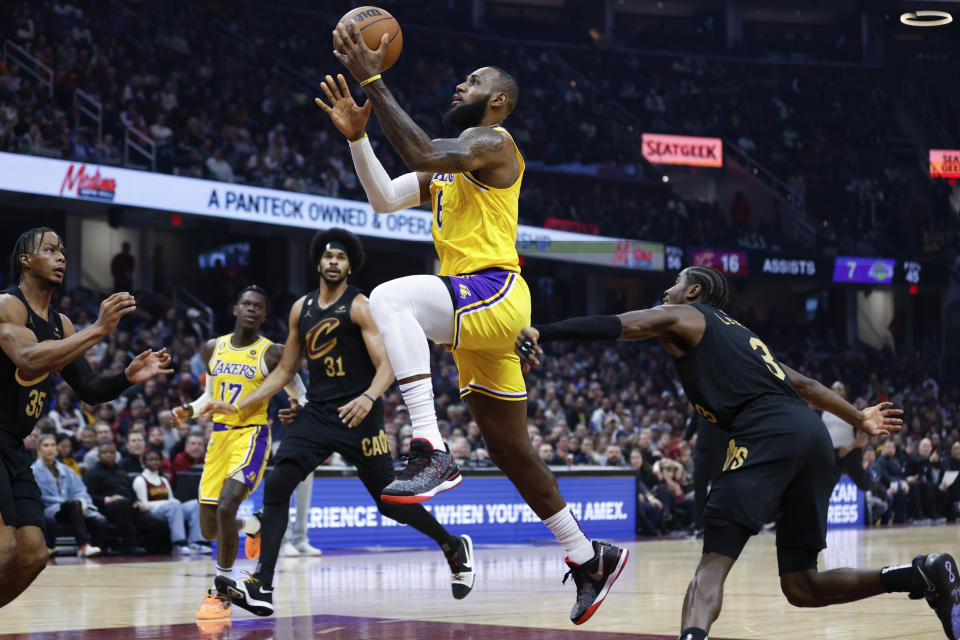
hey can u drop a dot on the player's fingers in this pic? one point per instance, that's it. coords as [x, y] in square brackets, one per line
[366, 108]
[344, 89]
[328, 91]
[340, 42]
[127, 311]
[354, 32]
[334, 90]
[384, 41]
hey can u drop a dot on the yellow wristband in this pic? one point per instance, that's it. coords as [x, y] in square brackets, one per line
[369, 80]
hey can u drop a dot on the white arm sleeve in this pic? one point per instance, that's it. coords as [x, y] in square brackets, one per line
[201, 403]
[384, 194]
[296, 390]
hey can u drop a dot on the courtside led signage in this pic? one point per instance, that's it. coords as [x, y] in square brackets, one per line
[687, 150]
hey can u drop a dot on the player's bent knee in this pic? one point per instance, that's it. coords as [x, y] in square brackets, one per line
[396, 512]
[8, 551]
[383, 300]
[799, 589]
[34, 559]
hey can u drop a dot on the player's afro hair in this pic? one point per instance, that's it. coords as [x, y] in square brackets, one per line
[354, 249]
[714, 289]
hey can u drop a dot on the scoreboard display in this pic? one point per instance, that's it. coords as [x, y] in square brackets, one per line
[732, 263]
[863, 270]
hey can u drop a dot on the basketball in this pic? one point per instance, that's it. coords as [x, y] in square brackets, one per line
[373, 23]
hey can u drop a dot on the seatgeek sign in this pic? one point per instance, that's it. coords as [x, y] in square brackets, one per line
[488, 508]
[114, 185]
[660, 148]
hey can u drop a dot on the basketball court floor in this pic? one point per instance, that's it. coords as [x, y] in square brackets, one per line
[394, 595]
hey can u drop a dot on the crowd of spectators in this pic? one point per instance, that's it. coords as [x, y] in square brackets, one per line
[224, 96]
[602, 404]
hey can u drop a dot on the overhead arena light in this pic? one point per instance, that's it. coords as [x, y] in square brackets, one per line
[926, 18]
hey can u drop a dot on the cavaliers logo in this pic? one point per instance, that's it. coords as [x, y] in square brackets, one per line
[320, 330]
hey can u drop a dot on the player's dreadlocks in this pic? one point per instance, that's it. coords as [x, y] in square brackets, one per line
[350, 243]
[28, 242]
[713, 285]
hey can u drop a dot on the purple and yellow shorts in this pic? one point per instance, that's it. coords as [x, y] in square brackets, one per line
[490, 309]
[232, 451]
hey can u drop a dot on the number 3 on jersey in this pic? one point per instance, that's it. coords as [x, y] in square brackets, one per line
[757, 345]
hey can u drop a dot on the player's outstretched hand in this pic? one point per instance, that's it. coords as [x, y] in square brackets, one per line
[355, 411]
[114, 308]
[223, 408]
[360, 60]
[346, 116]
[288, 415]
[180, 415]
[881, 420]
[527, 348]
[148, 364]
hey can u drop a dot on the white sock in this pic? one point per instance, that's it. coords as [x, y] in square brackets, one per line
[251, 525]
[575, 543]
[418, 397]
[226, 573]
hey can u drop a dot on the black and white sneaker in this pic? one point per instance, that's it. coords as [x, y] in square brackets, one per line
[462, 574]
[428, 471]
[594, 578]
[940, 572]
[249, 594]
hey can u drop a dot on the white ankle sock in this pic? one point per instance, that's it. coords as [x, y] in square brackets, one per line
[575, 543]
[418, 397]
[226, 573]
[251, 525]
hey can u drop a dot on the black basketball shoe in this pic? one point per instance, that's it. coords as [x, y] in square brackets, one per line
[594, 578]
[428, 471]
[249, 594]
[939, 572]
[462, 574]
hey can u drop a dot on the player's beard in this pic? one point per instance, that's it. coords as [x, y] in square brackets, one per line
[466, 114]
[330, 282]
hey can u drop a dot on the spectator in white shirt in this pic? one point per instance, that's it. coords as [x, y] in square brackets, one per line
[847, 446]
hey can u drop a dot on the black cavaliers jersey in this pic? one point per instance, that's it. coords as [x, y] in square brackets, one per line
[731, 371]
[22, 401]
[338, 362]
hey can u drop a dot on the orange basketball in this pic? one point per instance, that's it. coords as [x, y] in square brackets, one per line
[373, 23]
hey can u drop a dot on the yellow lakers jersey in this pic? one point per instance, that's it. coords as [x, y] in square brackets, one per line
[236, 373]
[474, 224]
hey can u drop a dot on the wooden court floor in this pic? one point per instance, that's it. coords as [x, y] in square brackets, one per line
[406, 594]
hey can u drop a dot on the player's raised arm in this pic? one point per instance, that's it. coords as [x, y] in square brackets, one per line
[476, 148]
[385, 195]
[354, 412]
[877, 420]
[35, 359]
[288, 367]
